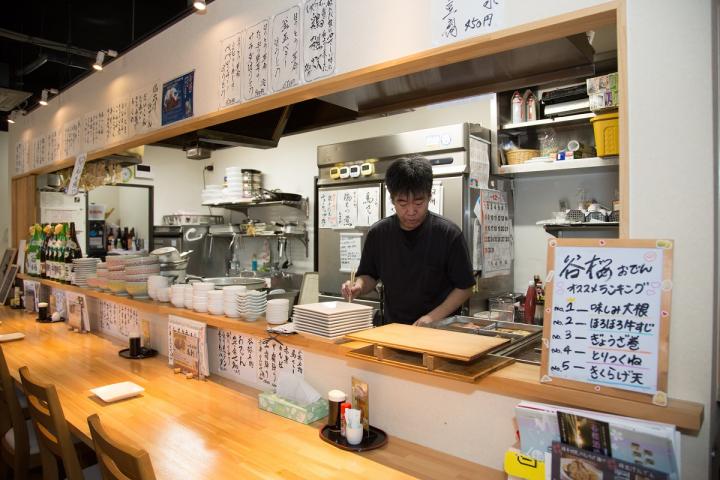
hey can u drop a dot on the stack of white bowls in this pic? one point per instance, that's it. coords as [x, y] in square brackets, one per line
[231, 299]
[212, 194]
[215, 302]
[102, 273]
[177, 294]
[162, 294]
[252, 305]
[155, 282]
[278, 310]
[200, 296]
[233, 192]
[189, 296]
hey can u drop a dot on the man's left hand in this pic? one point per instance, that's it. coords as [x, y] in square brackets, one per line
[423, 321]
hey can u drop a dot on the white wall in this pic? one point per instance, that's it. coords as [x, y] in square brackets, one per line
[671, 175]
[5, 215]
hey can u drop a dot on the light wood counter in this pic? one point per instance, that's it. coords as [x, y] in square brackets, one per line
[201, 429]
[518, 380]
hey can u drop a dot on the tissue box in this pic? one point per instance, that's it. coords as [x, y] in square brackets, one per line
[285, 408]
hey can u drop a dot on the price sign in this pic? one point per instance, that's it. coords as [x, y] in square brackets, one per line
[607, 316]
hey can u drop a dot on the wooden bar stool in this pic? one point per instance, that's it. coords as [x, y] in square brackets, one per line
[19, 445]
[54, 439]
[118, 461]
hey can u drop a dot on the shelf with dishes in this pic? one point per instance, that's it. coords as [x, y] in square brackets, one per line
[557, 167]
[301, 204]
[577, 119]
[560, 229]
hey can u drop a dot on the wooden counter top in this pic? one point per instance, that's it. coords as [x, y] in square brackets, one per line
[201, 429]
[518, 380]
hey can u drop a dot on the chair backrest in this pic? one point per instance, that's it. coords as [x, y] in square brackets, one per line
[17, 418]
[51, 428]
[118, 461]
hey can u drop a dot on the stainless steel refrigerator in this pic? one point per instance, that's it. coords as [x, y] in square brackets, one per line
[350, 195]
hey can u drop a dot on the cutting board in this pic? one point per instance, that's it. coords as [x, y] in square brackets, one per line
[431, 341]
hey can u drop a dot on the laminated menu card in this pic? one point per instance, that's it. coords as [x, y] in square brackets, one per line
[571, 463]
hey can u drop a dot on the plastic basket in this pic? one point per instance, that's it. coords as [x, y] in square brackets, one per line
[606, 131]
[520, 155]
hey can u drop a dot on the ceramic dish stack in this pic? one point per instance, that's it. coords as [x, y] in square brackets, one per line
[277, 311]
[200, 296]
[154, 282]
[102, 273]
[332, 320]
[137, 271]
[234, 191]
[212, 194]
[162, 294]
[177, 294]
[116, 275]
[231, 299]
[215, 302]
[82, 269]
[252, 305]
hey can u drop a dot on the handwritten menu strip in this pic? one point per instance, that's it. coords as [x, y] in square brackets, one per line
[327, 209]
[116, 121]
[347, 208]
[319, 39]
[256, 60]
[118, 320]
[231, 56]
[274, 358]
[22, 157]
[368, 206]
[72, 140]
[350, 251]
[254, 361]
[285, 49]
[604, 316]
[495, 233]
[454, 20]
[144, 109]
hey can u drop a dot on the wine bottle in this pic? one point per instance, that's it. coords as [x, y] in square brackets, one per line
[43, 251]
[61, 254]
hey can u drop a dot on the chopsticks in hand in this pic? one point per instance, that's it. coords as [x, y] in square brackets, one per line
[352, 284]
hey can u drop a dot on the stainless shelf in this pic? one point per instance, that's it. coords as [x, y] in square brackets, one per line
[243, 206]
[563, 166]
[569, 119]
[555, 229]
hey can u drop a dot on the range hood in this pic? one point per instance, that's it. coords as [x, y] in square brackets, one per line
[561, 59]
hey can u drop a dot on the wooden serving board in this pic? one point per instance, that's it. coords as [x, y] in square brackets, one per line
[430, 341]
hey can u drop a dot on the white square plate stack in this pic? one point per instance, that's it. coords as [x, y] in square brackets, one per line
[332, 320]
[231, 299]
[82, 269]
[252, 305]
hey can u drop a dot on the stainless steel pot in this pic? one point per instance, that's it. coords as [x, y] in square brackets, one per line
[250, 283]
[170, 254]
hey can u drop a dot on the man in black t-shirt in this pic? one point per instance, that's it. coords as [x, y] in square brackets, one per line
[421, 258]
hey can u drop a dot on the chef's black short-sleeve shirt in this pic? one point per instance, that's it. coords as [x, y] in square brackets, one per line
[418, 271]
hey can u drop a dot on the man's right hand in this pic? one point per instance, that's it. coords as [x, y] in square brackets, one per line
[350, 291]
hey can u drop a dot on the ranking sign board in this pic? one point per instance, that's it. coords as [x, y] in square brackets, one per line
[607, 317]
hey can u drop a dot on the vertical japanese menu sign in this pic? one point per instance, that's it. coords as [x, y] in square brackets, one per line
[230, 70]
[453, 20]
[285, 49]
[607, 316]
[255, 61]
[319, 39]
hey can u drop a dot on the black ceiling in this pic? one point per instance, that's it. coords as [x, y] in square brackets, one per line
[89, 25]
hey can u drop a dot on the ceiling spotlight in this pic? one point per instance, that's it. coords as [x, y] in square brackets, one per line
[99, 59]
[199, 5]
[44, 95]
[11, 117]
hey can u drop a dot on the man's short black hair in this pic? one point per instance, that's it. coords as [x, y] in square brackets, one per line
[409, 176]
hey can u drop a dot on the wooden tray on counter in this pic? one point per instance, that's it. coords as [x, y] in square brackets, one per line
[455, 355]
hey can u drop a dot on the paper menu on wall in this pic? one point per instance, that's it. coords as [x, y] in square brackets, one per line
[319, 39]
[237, 356]
[118, 320]
[274, 358]
[256, 60]
[285, 49]
[71, 142]
[144, 109]
[347, 212]
[606, 315]
[479, 164]
[368, 206]
[350, 251]
[77, 311]
[496, 233]
[453, 20]
[230, 72]
[327, 209]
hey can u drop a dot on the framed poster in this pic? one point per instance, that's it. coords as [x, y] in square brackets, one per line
[177, 98]
[607, 317]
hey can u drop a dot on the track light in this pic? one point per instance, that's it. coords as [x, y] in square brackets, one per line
[199, 5]
[11, 117]
[100, 58]
[44, 95]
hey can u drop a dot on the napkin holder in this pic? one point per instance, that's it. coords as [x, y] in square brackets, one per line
[309, 413]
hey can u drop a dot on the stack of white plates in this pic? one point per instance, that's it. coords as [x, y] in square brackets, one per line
[231, 298]
[252, 305]
[332, 320]
[277, 311]
[155, 282]
[234, 191]
[83, 268]
[215, 302]
[102, 273]
[212, 194]
[177, 294]
[199, 295]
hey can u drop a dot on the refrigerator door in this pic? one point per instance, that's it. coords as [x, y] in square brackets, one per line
[367, 198]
